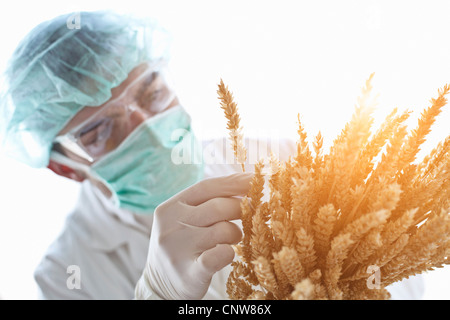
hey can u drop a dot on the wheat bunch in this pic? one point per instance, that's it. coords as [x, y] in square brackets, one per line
[331, 219]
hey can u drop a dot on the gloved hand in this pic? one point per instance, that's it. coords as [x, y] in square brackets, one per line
[191, 239]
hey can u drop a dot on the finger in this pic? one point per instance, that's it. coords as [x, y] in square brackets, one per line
[216, 258]
[213, 211]
[228, 186]
[220, 233]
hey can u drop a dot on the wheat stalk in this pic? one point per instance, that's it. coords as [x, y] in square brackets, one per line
[235, 130]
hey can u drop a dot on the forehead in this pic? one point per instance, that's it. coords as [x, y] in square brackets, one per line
[88, 111]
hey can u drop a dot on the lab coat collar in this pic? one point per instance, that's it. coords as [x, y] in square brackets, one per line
[100, 219]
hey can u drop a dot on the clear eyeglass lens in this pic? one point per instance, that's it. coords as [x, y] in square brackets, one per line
[147, 96]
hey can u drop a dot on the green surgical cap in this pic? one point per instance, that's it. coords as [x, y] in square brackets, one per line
[61, 67]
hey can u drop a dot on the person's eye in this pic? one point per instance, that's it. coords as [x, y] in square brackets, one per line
[151, 96]
[96, 133]
[103, 132]
[149, 89]
[89, 138]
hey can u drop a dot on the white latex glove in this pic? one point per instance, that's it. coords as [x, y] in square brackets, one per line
[191, 239]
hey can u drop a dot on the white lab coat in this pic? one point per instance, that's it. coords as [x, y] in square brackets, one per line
[102, 250]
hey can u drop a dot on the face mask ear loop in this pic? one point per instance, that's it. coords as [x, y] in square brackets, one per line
[85, 169]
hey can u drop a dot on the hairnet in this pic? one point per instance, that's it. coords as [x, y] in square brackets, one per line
[57, 69]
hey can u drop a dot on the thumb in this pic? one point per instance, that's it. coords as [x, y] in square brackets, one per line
[215, 259]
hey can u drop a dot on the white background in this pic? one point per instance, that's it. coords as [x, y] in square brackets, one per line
[279, 58]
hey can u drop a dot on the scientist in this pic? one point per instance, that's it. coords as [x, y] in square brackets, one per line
[94, 103]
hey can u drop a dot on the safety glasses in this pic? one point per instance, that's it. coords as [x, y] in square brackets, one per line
[147, 95]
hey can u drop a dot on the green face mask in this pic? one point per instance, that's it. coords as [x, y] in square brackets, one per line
[157, 160]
